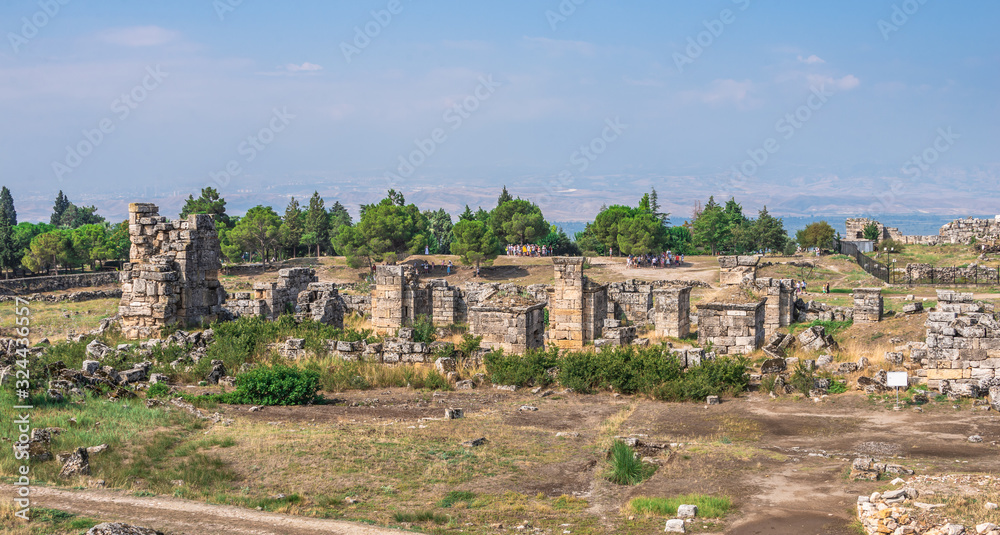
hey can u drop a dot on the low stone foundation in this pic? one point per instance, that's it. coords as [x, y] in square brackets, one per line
[515, 328]
[737, 270]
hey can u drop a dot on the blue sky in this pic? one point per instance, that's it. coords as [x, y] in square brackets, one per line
[551, 77]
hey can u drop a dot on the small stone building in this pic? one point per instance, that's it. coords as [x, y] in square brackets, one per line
[672, 312]
[867, 305]
[737, 270]
[173, 272]
[320, 302]
[511, 323]
[399, 298]
[577, 308]
[732, 328]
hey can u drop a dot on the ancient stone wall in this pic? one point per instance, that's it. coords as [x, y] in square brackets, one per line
[950, 275]
[732, 328]
[27, 285]
[964, 230]
[389, 311]
[962, 347]
[856, 229]
[867, 305]
[577, 307]
[780, 310]
[672, 312]
[272, 299]
[737, 270]
[320, 302]
[514, 329]
[399, 298]
[172, 274]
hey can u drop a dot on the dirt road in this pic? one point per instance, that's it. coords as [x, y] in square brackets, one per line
[183, 517]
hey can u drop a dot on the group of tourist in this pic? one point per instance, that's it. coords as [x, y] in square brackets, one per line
[800, 287]
[428, 267]
[528, 250]
[664, 259]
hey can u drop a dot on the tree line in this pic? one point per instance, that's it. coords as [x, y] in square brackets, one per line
[77, 236]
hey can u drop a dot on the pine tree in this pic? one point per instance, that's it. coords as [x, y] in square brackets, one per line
[504, 197]
[290, 233]
[467, 215]
[317, 223]
[7, 206]
[61, 204]
[8, 251]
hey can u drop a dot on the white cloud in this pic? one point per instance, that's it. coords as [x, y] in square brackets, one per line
[727, 91]
[844, 83]
[811, 60]
[138, 36]
[305, 67]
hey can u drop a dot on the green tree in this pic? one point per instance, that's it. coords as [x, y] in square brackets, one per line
[292, 227]
[871, 232]
[678, 240]
[710, 226]
[257, 231]
[440, 227]
[587, 241]
[467, 215]
[115, 245]
[518, 221]
[210, 202]
[339, 216]
[77, 216]
[386, 228]
[559, 243]
[819, 234]
[47, 251]
[475, 242]
[7, 206]
[317, 228]
[504, 197]
[60, 206]
[89, 242]
[606, 225]
[640, 234]
[769, 232]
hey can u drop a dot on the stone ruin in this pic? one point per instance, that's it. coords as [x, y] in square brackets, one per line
[320, 302]
[511, 323]
[856, 229]
[672, 312]
[867, 305]
[780, 309]
[732, 327]
[962, 351]
[172, 274]
[400, 298]
[578, 307]
[738, 270]
[272, 299]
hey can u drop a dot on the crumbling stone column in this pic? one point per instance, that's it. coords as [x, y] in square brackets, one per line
[388, 310]
[672, 311]
[780, 308]
[867, 305]
[577, 308]
[172, 274]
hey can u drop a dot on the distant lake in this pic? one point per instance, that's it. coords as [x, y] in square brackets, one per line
[908, 224]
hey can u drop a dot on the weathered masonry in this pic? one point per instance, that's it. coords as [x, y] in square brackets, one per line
[963, 346]
[512, 324]
[737, 270]
[867, 305]
[780, 309]
[731, 328]
[272, 299]
[399, 298]
[173, 272]
[672, 312]
[577, 308]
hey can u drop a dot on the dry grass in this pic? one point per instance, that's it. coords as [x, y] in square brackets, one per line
[56, 320]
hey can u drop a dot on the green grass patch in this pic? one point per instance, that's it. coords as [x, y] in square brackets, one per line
[412, 517]
[708, 506]
[624, 468]
[457, 496]
[831, 327]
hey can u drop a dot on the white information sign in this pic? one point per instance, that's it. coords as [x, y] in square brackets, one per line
[896, 379]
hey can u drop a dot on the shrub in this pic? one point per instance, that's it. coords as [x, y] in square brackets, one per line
[723, 376]
[420, 516]
[436, 381]
[469, 344]
[837, 387]
[278, 385]
[624, 468]
[708, 506]
[157, 390]
[803, 379]
[423, 330]
[529, 369]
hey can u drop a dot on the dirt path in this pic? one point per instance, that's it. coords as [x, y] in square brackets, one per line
[700, 270]
[175, 516]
